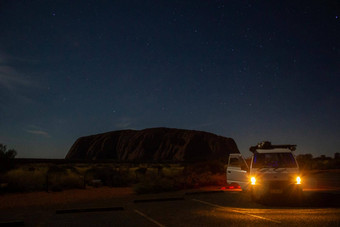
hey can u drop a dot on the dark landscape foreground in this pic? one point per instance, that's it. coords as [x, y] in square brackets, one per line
[204, 207]
[208, 206]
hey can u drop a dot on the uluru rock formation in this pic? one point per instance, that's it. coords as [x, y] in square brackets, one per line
[154, 144]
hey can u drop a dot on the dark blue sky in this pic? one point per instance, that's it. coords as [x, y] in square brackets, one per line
[249, 70]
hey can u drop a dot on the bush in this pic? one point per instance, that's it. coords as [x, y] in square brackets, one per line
[153, 179]
[20, 180]
[214, 167]
[195, 180]
[67, 179]
[202, 174]
[29, 178]
[157, 185]
[176, 178]
[109, 176]
[6, 158]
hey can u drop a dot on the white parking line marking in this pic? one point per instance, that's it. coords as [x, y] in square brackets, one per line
[236, 211]
[150, 219]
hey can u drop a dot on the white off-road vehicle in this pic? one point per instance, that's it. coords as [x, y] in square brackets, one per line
[273, 171]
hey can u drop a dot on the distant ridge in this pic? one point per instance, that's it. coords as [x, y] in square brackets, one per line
[153, 144]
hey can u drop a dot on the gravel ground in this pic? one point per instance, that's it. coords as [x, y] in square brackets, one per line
[63, 197]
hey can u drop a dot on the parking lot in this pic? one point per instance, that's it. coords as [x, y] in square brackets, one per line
[202, 208]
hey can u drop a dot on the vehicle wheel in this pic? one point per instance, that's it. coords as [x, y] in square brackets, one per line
[299, 196]
[254, 195]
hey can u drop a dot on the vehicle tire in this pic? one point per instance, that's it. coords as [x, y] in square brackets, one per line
[254, 195]
[299, 196]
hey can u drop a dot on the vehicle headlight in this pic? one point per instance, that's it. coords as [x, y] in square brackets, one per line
[253, 180]
[298, 180]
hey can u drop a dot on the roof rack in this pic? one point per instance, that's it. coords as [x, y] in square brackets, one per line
[266, 145]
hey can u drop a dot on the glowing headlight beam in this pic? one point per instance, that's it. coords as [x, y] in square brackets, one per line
[298, 180]
[253, 180]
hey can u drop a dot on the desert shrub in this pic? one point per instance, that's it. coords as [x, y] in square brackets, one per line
[56, 169]
[104, 174]
[173, 171]
[156, 170]
[20, 180]
[202, 174]
[109, 176]
[155, 185]
[56, 177]
[64, 178]
[71, 168]
[195, 180]
[71, 180]
[175, 180]
[82, 170]
[120, 179]
[308, 162]
[53, 177]
[141, 173]
[213, 167]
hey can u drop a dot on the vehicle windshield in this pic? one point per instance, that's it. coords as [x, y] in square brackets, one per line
[274, 160]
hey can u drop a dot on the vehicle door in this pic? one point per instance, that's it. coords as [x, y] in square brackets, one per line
[238, 171]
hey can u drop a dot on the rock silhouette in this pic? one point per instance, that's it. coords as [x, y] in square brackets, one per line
[154, 145]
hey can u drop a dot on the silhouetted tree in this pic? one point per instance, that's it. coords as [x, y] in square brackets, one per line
[6, 158]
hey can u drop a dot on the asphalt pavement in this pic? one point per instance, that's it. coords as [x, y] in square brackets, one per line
[202, 208]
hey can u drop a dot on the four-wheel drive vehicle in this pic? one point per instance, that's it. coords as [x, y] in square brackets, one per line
[273, 170]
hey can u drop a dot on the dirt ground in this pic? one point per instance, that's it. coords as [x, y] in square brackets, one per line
[63, 197]
[31, 199]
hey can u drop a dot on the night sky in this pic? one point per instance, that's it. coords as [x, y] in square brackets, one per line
[249, 70]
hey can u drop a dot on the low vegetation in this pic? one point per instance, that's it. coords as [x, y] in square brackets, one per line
[308, 162]
[183, 177]
[144, 178]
